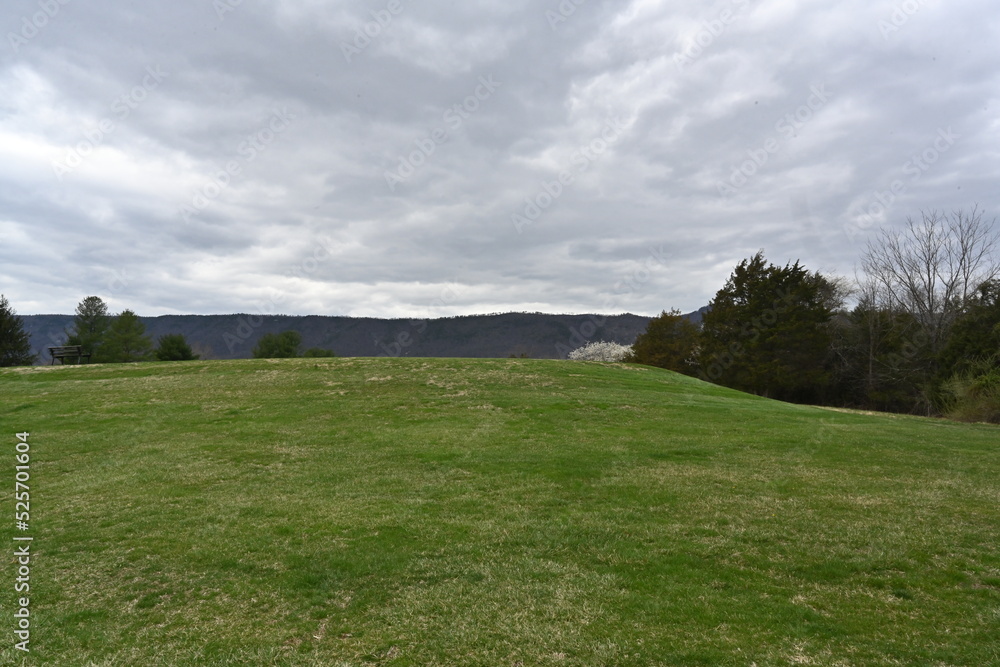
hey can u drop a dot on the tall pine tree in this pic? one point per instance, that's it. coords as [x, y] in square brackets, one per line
[90, 326]
[15, 345]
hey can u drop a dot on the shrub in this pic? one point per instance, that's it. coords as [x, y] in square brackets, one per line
[125, 340]
[670, 341]
[975, 394]
[601, 351]
[174, 347]
[278, 346]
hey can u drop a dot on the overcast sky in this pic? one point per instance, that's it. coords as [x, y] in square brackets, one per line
[395, 158]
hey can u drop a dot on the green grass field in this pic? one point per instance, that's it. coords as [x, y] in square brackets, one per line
[488, 512]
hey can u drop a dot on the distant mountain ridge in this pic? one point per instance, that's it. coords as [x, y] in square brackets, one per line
[536, 335]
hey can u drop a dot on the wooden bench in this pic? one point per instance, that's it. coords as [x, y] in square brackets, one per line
[64, 352]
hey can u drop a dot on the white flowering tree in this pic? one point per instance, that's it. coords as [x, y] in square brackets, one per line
[601, 351]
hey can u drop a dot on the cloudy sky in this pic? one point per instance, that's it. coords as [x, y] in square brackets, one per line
[396, 158]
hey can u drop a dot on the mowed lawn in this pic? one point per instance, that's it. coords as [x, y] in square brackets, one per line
[488, 512]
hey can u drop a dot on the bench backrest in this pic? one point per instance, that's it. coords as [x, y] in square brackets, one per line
[68, 351]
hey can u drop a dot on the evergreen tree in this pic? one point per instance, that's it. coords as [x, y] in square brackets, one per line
[278, 346]
[174, 347]
[15, 345]
[976, 334]
[126, 341]
[968, 385]
[90, 327]
[768, 332]
[670, 341]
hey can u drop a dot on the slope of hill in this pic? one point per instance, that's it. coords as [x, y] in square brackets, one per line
[365, 511]
[536, 335]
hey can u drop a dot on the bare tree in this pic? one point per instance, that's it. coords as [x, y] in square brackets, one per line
[932, 267]
[881, 353]
[918, 280]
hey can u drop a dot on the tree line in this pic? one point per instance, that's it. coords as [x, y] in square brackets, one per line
[107, 338]
[122, 338]
[922, 336]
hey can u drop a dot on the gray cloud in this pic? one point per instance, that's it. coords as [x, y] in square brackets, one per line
[365, 159]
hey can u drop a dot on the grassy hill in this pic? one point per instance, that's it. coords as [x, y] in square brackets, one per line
[489, 512]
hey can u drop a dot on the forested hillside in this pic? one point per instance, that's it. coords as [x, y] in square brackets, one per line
[535, 335]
